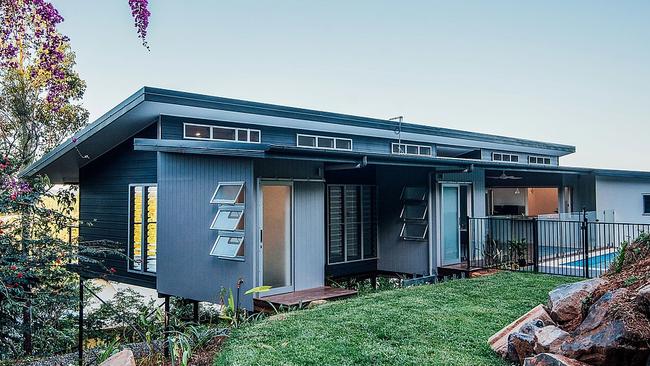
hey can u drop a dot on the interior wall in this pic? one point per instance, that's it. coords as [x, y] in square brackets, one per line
[542, 201]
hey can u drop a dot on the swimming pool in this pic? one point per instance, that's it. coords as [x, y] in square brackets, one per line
[601, 261]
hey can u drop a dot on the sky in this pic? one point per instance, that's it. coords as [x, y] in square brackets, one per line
[570, 72]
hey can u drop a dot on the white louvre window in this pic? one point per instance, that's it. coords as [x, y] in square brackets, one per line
[414, 231]
[229, 193]
[227, 246]
[512, 158]
[410, 149]
[228, 219]
[220, 133]
[323, 142]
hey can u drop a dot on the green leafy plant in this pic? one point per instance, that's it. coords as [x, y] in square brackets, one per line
[619, 259]
[109, 350]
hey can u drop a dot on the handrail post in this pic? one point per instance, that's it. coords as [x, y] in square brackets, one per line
[80, 346]
[535, 245]
[469, 239]
[585, 228]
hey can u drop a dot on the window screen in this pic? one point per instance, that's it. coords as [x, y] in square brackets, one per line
[646, 204]
[414, 231]
[414, 194]
[412, 211]
[229, 193]
[228, 219]
[227, 246]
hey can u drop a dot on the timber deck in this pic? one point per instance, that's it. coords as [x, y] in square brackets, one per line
[302, 297]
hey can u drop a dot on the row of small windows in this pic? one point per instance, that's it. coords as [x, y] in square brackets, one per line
[505, 157]
[539, 160]
[513, 158]
[410, 149]
[218, 133]
[323, 142]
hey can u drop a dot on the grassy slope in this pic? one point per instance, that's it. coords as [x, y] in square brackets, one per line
[444, 324]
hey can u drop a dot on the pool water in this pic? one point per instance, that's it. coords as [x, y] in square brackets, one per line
[600, 261]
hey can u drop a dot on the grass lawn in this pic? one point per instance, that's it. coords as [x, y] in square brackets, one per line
[443, 324]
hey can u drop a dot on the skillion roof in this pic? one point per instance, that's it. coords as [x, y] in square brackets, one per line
[145, 106]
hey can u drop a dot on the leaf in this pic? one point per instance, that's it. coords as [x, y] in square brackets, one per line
[231, 301]
[258, 289]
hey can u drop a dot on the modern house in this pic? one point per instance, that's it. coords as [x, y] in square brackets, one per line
[203, 190]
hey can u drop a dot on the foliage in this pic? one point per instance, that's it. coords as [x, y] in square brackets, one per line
[443, 324]
[38, 293]
[619, 259]
[182, 345]
[140, 12]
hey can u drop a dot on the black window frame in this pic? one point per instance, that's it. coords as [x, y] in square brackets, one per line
[144, 222]
[362, 224]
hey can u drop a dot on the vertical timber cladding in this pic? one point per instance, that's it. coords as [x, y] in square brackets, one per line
[185, 267]
[309, 216]
[396, 254]
[104, 202]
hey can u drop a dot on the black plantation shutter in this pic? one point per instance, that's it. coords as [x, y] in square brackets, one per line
[335, 230]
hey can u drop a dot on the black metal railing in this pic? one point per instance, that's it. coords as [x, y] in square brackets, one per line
[565, 247]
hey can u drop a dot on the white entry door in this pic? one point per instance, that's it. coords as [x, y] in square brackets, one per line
[450, 224]
[276, 236]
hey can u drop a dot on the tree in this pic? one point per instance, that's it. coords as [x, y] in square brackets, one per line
[41, 91]
[40, 104]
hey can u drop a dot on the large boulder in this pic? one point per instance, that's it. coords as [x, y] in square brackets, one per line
[607, 337]
[565, 302]
[607, 344]
[550, 359]
[643, 299]
[520, 346]
[123, 358]
[549, 339]
[537, 316]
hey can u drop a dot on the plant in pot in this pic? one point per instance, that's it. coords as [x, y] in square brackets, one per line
[519, 251]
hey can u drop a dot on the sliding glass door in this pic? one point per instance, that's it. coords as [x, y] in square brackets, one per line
[450, 225]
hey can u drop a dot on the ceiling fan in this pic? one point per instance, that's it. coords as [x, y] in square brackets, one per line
[504, 176]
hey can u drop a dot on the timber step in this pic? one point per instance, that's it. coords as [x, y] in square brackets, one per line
[302, 297]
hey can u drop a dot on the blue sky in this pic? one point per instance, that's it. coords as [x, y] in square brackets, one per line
[573, 72]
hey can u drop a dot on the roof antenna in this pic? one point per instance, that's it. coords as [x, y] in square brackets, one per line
[398, 130]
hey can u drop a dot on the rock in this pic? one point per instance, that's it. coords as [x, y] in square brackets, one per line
[549, 339]
[520, 346]
[607, 344]
[316, 303]
[643, 299]
[565, 302]
[598, 311]
[123, 358]
[499, 341]
[550, 359]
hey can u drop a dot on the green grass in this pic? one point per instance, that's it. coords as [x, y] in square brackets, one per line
[443, 324]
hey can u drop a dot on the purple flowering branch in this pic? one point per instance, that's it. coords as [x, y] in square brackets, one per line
[141, 14]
